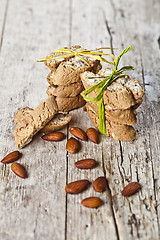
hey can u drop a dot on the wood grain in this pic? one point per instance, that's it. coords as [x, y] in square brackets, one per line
[38, 207]
[135, 214]
[34, 208]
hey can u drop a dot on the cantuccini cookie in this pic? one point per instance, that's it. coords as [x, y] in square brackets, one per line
[22, 113]
[114, 130]
[59, 121]
[35, 121]
[53, 64]
[121, 94]
[68, 72]
[126, 116]
[67, 104]
[77, 63]
[71, 90]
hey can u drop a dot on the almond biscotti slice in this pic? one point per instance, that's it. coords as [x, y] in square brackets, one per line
[53, 64]
[35, 121]
[67, 104]
[59, 121]
[121, 94]
[126, 116]
[114, 130]
[69, 71]
[71, 90]
[22, 113]
[133, 85]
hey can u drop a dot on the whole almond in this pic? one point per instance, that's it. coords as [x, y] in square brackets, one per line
[91, 202]
[93, 135]
[72, 145]
[77, 186]
[54, 136]
[100, 184]
[131, 188]
[78, 133]
[19, 170]
[85, 163]
[11, 157]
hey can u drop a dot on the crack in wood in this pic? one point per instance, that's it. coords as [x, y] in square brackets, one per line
[66, 199]
[108, 187]
[121, 153]
[36, 221]
[111, 200]
[133, 219]
[158, 41]
[4, 23]
[148, 114]
[109, 32]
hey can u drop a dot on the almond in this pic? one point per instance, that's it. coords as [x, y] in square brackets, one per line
[100, 184]
[91, 202]
[77, 186]
[131, 188]
[72, 145]
[19, 170]
[78, 133]
[93, 135]
[54, 136]
[85, 163]
[11, 157]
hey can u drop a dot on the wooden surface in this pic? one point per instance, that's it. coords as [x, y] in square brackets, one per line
[38, 208]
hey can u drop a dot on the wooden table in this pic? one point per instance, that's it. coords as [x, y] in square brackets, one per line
[38, 208]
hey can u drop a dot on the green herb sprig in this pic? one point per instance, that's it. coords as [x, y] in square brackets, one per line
[102, 85]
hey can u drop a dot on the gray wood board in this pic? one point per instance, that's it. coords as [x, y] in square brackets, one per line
[38, 208]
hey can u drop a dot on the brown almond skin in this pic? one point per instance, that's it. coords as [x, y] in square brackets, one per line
[54, 136]
[77, 186]
[100, 184]
[78, 133]
[91, 202]
[85, 163]
[11, 157]
[72, 145]
[93, 135]
[131, 188]
[19, 170]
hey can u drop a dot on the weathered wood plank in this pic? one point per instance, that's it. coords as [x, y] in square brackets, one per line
[81, 222]
[37, 208]
[137, 216]
[85, 223]
[33, 208]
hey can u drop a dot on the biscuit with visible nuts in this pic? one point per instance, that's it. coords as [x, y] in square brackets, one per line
[35, 121]
[59, 121]
[123, 93]
[114, 130]
[125, 116]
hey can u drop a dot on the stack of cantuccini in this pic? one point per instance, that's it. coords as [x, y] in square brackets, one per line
[64, 79]
[121, 99]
